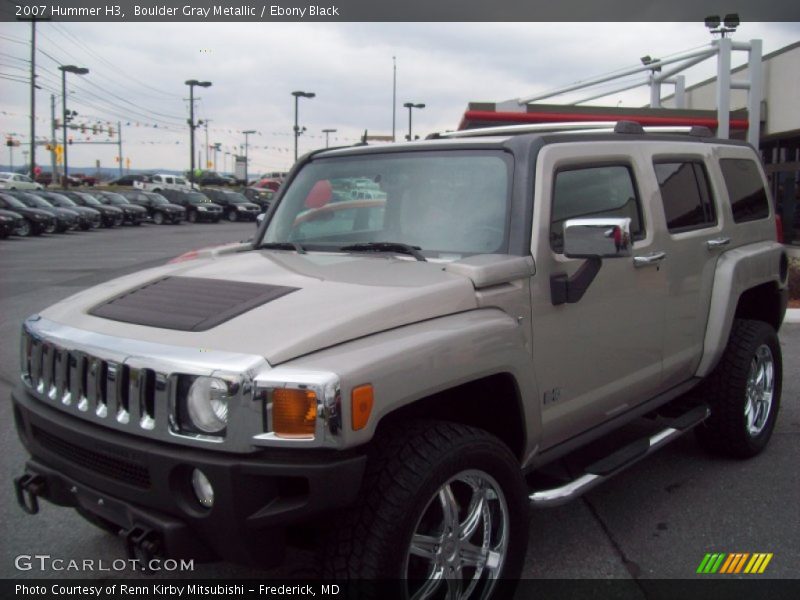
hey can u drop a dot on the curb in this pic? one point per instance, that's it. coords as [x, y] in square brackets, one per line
[792, 315]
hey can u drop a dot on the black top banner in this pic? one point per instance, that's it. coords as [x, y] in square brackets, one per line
[407, 10]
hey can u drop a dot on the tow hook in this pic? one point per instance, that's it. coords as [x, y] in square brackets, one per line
[28, 488]
[142, 544]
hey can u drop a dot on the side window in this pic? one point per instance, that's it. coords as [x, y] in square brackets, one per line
[745, 189]
[685, 195]
[587, 192]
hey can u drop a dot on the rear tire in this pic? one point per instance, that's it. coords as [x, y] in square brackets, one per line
[744, 392]
[158, 218]
[232, 216]
[192, 217]
[443, 508]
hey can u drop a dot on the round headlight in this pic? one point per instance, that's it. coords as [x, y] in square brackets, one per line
[203, 489]
[207, 404]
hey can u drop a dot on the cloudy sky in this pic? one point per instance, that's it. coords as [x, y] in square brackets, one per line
[137, 72]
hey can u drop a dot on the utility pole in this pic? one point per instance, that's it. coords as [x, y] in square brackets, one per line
[394, 97]
[53, 136]
[119, 144]
[205, 125]
[33, 98]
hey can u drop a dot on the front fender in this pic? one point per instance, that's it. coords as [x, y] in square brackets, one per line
[414, 361]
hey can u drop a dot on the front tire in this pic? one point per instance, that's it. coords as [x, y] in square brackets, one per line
[744, 392]
[232, 216]
[192, 217]
[25, 229]
[443, 508]
[158, 218]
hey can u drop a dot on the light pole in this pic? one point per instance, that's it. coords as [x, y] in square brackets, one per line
[297, 95]
[192, 125]
[394, 97]
[326, 132]
[246, 133]
[216, 146]
[410, 106]
[64, 70]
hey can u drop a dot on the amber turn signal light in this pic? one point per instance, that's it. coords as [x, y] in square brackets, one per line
[361, 405]
[294, 413]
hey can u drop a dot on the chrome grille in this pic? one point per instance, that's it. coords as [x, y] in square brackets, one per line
[94, 387]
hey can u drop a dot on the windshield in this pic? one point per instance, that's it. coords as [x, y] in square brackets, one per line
[89, 199]
[11, 201]
[34, 201]
[115, 198]
[180, 181]
[60, 199]
[234, 197]
[446, 203]
[157, 199]
[197, 198]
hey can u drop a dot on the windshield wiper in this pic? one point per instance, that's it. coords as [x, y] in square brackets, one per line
[396, 247]
[284, 246]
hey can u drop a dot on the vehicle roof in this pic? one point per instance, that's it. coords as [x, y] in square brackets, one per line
[503, 137]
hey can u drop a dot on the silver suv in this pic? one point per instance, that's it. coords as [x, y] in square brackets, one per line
[390, 367]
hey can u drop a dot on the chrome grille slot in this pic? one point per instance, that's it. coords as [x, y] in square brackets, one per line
[141, 397]
[48, 370]
[77, 380]
[62, 376]
[95, 386]
[25, 356]
[36, 365]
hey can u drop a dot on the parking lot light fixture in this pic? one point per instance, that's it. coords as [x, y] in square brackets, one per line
[192, 83]
[75, 71]
[410, 106]
[327, 132]
[297, 95]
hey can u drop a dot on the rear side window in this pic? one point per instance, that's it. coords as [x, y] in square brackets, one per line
[685, 195]
[745, 189]
[589, 192]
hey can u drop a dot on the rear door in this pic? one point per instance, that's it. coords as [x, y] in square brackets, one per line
[686, 203]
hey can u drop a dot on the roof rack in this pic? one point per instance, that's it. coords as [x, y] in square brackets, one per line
[626, 127]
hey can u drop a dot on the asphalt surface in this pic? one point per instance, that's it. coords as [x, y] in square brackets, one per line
[657, 520]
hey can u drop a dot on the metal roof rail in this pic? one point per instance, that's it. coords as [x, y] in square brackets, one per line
[529, 128]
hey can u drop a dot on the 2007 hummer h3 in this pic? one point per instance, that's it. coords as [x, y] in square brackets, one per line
[389, 369]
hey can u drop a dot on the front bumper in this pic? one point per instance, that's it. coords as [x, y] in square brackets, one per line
[142, 485]
[208, 215]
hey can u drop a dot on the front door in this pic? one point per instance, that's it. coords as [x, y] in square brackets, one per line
[602, 355]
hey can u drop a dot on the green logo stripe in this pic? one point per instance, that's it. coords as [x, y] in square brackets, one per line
[706, 559]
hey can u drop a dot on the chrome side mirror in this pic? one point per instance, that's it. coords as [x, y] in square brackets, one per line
[603, 237]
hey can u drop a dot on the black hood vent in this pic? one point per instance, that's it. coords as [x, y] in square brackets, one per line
[187, 303]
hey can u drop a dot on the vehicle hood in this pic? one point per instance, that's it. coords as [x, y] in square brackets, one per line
[84, 210]
[132, 208]
[334, 298]
[170, 207]
[107, 210]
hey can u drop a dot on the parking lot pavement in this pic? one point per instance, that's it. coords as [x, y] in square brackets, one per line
[656, 520]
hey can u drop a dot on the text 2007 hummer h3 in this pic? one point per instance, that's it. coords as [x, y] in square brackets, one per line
[388, 368]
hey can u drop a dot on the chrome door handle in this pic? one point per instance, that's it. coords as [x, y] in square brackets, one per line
[649, 259]
[718, 243]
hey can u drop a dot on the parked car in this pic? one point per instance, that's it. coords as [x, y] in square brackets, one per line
[269, 183]
[37, 221]
[46, 179]
[10, 223]
[88, 218]
[159, 209]
[162, 181]
[66, 219]
[17, 181]
[110, 216]
[261, 196]
[213, 178]
[89, 180]
[133, 214]
[235, 207]
[127, 180]
[198, 206]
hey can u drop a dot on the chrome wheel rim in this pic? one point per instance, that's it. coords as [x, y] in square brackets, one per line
[460, 541]
[24, 230]
[760, 390]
